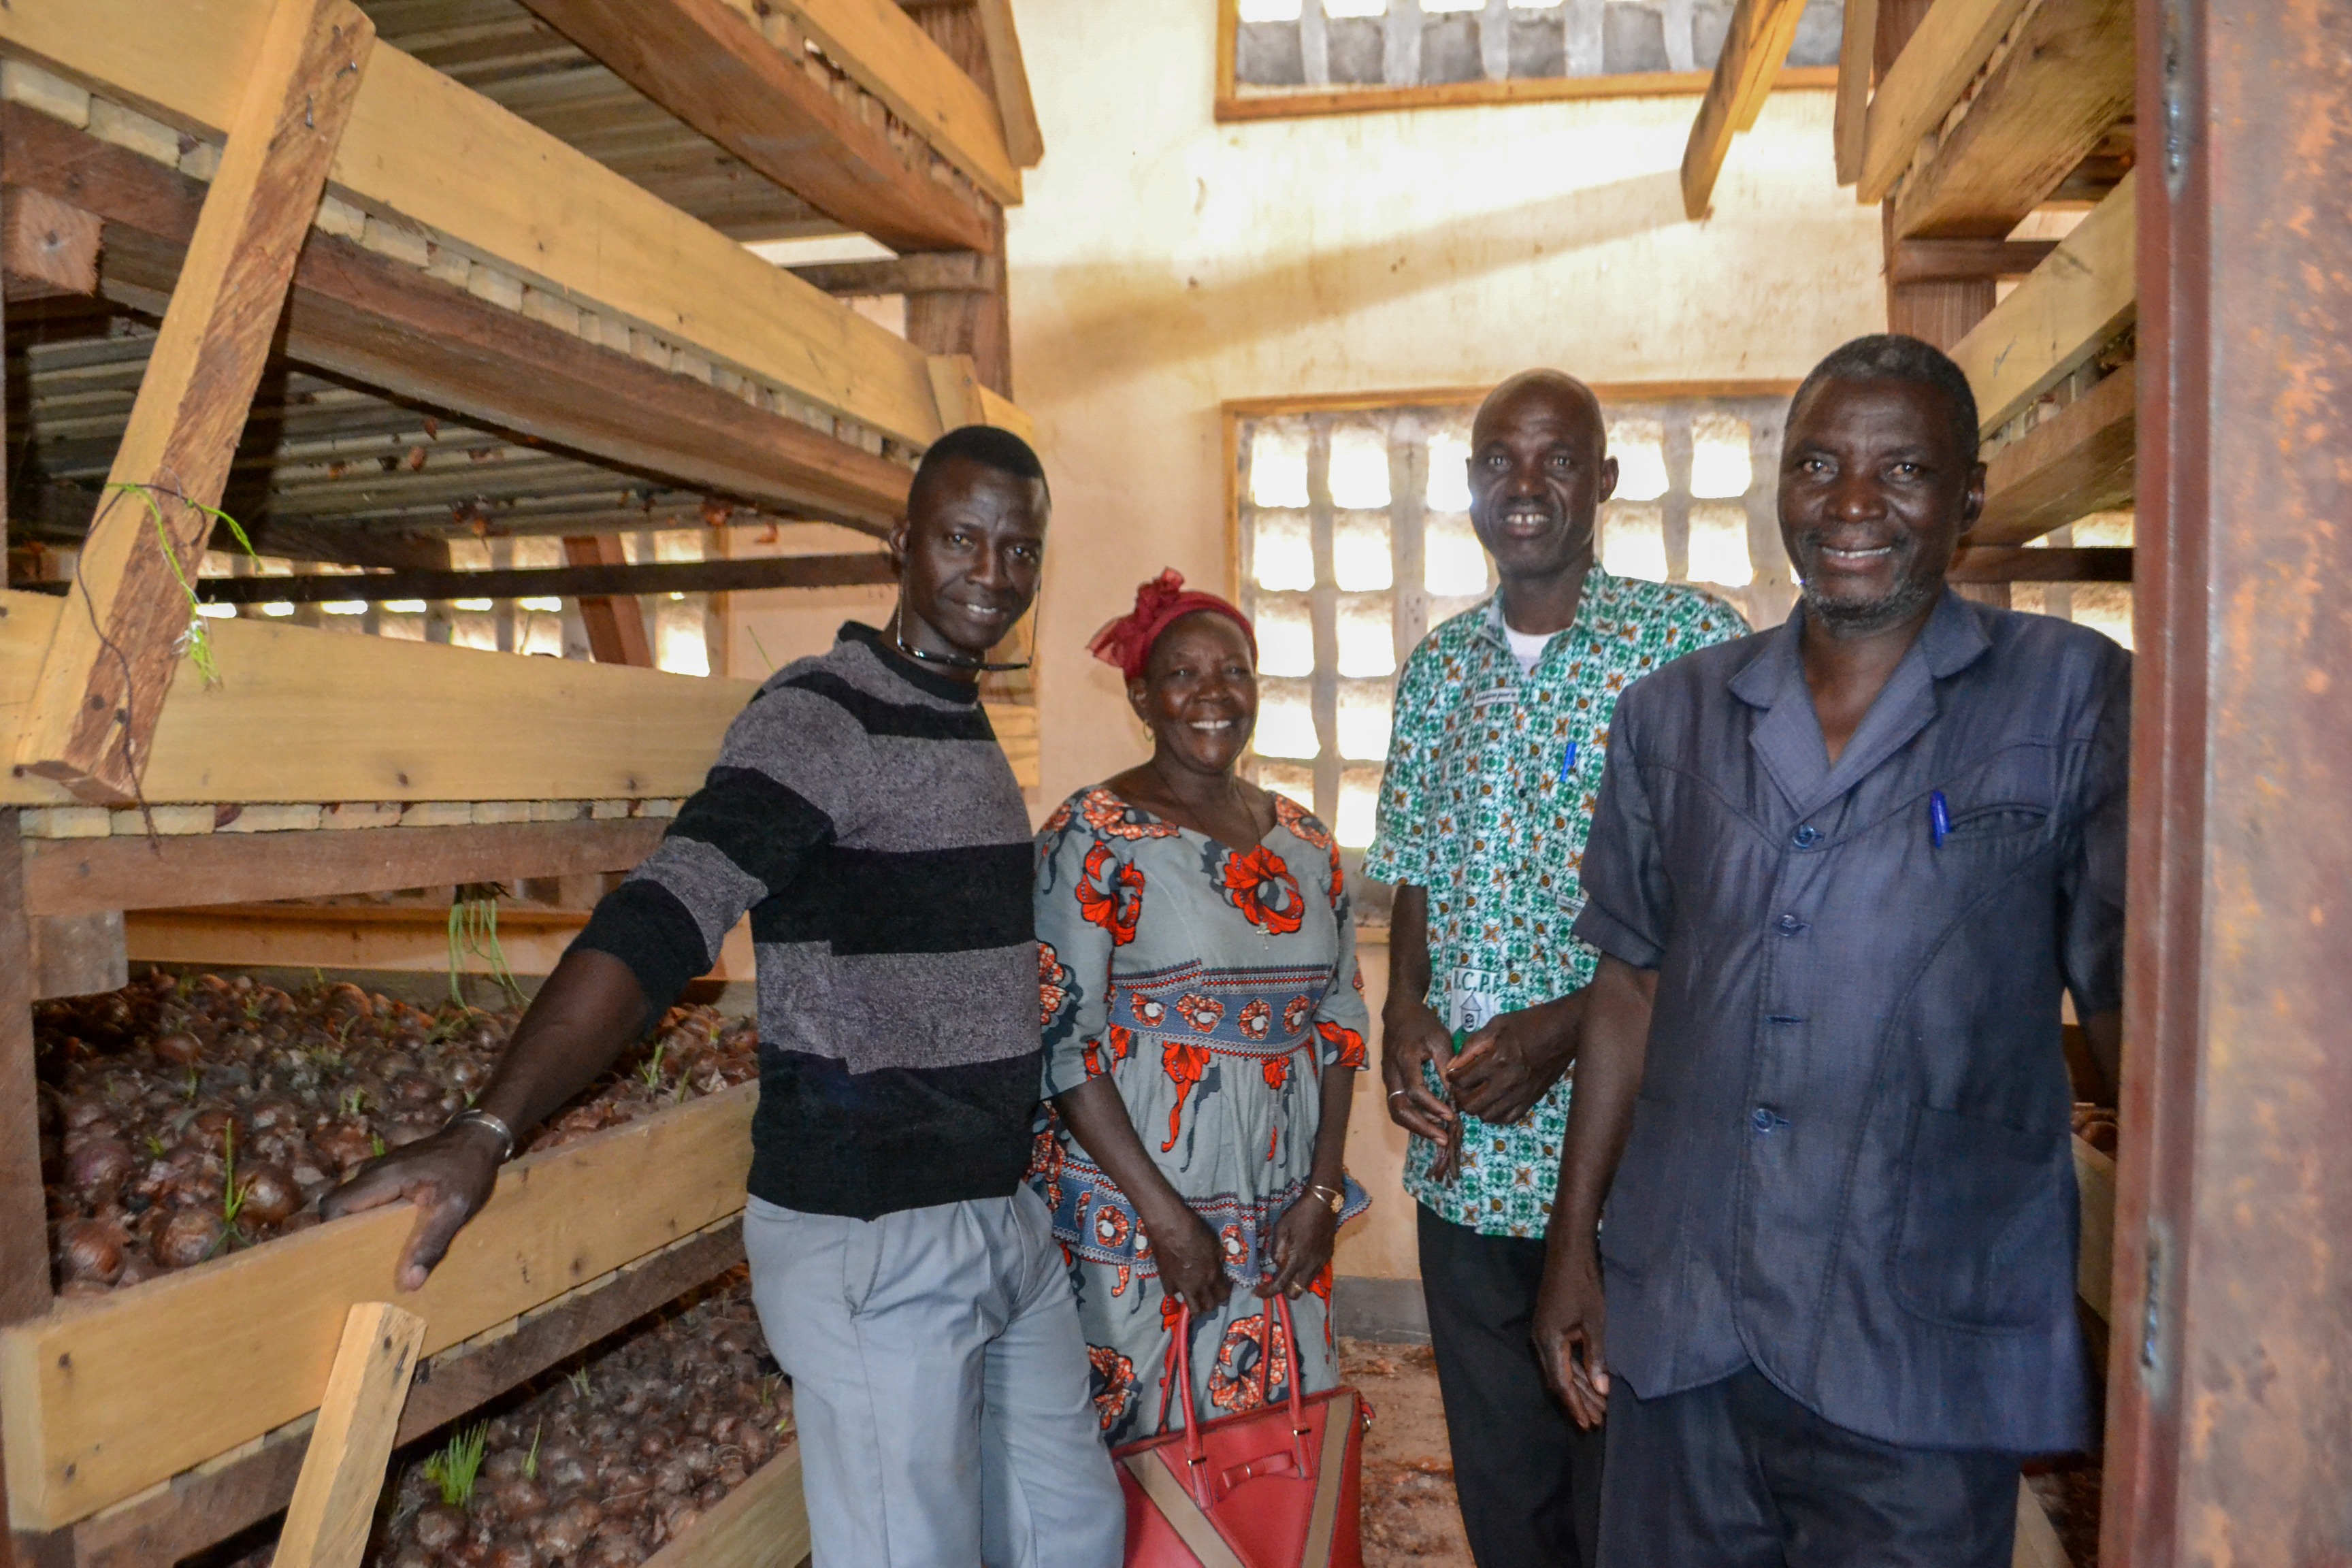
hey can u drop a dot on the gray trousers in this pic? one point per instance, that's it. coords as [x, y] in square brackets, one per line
[939, 1386]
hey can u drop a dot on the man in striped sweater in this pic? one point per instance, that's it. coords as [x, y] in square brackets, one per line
[908, 1280]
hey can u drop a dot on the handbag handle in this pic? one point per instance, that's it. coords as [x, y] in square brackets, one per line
[1196, 1449]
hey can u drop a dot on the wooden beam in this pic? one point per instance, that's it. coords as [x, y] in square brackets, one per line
[1753, 52]
[24, 1212]
[708, 63]
[101, 686]
[2012, 563]
[977, 324]
[202, 1507]
[924, 272]
[2076, 462]
[1297, 103]
[1942, 57]
[1851, 128]
[270, 1318]
[424, 148]
[763, 1523]
[311, 715]
[1950, 260]
[738, 577]
[1009, 75]
[83, 875]
[335, 1501]
[2063, 84]
[47, 246]
[615, 623]
[2071, 306]
[387, 324]
[2095, 1187]
[886, 52]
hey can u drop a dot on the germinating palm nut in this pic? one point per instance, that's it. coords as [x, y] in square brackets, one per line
[182, 1119]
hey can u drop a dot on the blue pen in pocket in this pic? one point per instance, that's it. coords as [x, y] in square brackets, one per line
[1939, 818]
[1568, 762]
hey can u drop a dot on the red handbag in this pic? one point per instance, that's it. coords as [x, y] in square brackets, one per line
[1277, 1486]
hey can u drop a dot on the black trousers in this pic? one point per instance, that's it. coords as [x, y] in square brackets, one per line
[1529, 1481]
[1738, 1475]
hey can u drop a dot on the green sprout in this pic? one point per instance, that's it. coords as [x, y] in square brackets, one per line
[195, 1080]
[453, 1470]
[199, 638]
[530, 1460]
[579, 1381]
[650, 1074]
[233, 1196]
[474, 930]
[156, 1147]
[354, 1102]
[375, 1144]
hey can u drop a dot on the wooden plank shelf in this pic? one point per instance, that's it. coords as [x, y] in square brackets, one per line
[2054, 86]
[310, 715]
[424, 150]
[2077, 460]
[367, 314]
[84, 876]
[2006, 563]
[217, 1499]
[2081, 298]
[269, 1318]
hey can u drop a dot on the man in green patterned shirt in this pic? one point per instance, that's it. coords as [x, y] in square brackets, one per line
[1502, 718]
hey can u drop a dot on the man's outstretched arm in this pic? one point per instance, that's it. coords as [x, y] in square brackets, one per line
[1570, 1314]
[589, 1011]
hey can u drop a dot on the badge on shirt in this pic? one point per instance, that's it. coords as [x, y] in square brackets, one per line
[1473, 998]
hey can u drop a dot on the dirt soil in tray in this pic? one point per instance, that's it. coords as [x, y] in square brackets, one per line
[184, 1118]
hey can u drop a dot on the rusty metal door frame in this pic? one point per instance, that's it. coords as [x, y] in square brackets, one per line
[2230, 1393]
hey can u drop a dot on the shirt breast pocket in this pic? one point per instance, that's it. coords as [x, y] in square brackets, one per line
[2009, 800]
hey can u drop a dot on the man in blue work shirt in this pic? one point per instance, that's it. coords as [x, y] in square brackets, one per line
[1840, 874]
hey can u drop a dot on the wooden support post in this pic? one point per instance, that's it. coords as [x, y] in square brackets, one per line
[977, 322]
[1854, 76]
[1753, 51]
[2229, 1430]
[1939, 312]
[616, 626]
[24, 1216]
[108, 669]
[334, 1500]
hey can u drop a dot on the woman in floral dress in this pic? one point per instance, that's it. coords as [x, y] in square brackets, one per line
[1203, 1024]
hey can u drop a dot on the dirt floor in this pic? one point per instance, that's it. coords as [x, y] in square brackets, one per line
[1410, 1516]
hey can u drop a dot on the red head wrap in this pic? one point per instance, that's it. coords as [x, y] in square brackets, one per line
[1126, 642]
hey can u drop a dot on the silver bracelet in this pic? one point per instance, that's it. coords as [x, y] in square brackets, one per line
[477, 1117]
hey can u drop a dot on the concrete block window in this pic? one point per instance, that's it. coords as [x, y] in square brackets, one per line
[1327, 49]
[1351, 539]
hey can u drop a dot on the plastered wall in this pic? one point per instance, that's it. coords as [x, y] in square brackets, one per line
[1162, 264]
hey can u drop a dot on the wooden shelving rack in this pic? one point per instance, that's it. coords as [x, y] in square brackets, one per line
[272, 178]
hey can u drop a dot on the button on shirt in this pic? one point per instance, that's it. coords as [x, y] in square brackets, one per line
[1850, 1162]
[1493, 775]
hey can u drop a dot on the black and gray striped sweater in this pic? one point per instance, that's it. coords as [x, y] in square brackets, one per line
[864, 814]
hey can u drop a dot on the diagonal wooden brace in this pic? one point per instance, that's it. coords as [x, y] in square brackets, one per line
[110, 662]
[334, 1499]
